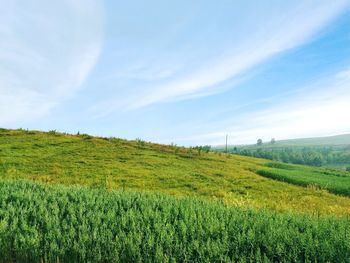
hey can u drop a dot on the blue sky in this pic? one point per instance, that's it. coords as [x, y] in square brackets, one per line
[187, 72]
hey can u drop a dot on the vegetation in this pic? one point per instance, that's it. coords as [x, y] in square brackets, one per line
[259, 142]
[59, 224]
[112, 163]
[333, 151]
[336, 156]
[335, 182]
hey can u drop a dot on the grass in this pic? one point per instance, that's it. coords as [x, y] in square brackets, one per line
[112, 163]
[41, 223]
[334, 181]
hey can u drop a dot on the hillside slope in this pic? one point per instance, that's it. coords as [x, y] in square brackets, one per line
[119, 164]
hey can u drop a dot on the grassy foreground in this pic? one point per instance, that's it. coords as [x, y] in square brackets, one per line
[135, 165]
[70, 224]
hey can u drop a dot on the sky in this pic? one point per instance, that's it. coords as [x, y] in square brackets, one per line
[184, 72]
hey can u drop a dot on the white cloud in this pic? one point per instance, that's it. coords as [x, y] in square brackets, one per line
[274, 32]
[320, 112]
[47, 50]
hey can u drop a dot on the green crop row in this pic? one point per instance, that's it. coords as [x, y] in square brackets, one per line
[335, 182]
[65, 224]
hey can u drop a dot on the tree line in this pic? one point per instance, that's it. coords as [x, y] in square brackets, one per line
[308, 155]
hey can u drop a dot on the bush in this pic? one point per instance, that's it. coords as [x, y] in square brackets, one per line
[140, 143]
[53, 132]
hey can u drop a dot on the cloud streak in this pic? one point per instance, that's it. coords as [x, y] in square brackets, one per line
[46, 52]
[288, 27]
[322, 111]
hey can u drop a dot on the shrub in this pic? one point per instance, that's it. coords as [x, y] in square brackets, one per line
[140, 143]
[53, 132]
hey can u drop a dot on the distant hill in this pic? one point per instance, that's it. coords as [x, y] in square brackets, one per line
[329, 140]
[331, 151]
[343, 139]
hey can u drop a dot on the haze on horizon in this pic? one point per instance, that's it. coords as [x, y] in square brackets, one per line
[182, 72]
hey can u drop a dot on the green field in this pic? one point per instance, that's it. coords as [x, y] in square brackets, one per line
[337, 182]
[100, 199]
[51, 224]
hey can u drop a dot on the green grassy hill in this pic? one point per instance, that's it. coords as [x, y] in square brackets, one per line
[113, 163]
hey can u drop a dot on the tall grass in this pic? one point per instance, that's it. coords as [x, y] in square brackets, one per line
[60, 224]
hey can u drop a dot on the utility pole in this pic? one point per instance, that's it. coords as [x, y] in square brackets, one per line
[226, 143]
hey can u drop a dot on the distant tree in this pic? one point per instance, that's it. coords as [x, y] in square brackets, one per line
[348, 169]
[206, 148]
[259, 142]
[199, 149]
[53, 132]
[273, 141]
[140, 143]
[190, 152]
[307, 155]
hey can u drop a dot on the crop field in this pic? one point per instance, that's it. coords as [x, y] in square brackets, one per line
[78, 198]
[74, 224]
[335, 182]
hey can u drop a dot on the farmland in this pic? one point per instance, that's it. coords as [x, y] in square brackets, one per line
[74, 224]
[81, 198]
[333, 181]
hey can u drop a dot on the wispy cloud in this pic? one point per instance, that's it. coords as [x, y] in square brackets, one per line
[287, 27]
[46, 52]
[323, 110]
